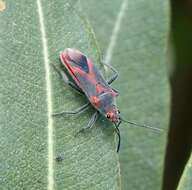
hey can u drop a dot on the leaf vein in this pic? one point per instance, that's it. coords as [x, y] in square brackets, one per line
[49, 95]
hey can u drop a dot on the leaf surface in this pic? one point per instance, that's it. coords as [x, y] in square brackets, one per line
[39, 151]
[185, 181]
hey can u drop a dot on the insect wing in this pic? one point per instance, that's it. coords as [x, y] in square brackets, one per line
[84, 72]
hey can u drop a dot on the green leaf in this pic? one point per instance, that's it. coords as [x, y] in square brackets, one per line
[133, 35]
[32, 34]
[185, 181]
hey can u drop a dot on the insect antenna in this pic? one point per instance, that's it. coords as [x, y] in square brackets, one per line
[144, 126]
[119, 136]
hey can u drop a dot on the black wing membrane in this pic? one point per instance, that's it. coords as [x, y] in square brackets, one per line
[82, 63]
[89, 77]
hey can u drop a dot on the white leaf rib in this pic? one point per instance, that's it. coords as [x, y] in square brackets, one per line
[50, 176]
[115, 33]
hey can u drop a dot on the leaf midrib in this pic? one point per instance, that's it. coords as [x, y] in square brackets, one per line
[46, 61]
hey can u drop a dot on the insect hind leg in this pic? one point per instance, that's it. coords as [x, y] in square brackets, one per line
[115, 73]
[75, 112]
[66, 80]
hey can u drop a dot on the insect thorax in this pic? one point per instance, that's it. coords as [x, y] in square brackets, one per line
[107, 102]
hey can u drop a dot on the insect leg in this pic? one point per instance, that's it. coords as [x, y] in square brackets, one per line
[119, 138]
[92, 120]
[66, 80]
[90, 123]
[115, 75]
[77, 111]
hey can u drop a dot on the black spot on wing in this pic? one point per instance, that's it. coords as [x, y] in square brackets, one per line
[82, 63]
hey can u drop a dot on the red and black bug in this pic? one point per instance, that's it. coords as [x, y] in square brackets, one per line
[89, 81]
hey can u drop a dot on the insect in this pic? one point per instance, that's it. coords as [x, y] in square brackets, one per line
[89, 81]
[59, 158]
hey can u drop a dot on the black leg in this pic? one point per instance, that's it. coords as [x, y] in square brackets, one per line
[119, 138]
[77, 111]
[91, 122]
[118, 134]
[66, 80]
[115, 75]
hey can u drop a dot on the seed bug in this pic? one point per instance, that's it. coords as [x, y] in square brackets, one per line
[88, 80]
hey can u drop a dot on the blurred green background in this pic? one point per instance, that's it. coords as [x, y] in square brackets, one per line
[180, 132]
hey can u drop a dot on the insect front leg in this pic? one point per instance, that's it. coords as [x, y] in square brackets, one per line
[66, 80]
[91, 122]
[75, 112]
[115, 73]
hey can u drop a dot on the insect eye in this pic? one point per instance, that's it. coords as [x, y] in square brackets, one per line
[118, 111]
[108, 116]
